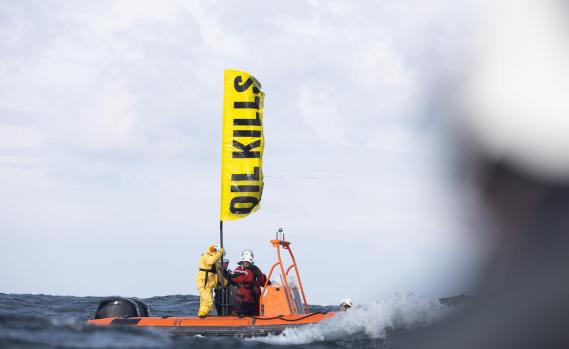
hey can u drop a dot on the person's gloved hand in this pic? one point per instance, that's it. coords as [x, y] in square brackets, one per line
[237, 271]
[222, 250]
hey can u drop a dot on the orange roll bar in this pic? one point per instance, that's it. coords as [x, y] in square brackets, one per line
[286, 245]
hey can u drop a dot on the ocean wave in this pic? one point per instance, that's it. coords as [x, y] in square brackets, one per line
[39, 332]
[49, 322]
[368, 321]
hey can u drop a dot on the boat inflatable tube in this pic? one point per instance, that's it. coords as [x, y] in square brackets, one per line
[121, 307]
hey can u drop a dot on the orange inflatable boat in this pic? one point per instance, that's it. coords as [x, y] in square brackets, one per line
[283, 305]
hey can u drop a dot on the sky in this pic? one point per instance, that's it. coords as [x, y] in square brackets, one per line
[110, 140]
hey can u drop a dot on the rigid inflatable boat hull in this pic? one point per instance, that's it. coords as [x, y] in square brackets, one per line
[218, 325]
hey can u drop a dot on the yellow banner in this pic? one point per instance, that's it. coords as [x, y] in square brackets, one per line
[242, 145]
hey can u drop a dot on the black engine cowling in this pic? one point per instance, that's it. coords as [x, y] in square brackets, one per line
[121, 307]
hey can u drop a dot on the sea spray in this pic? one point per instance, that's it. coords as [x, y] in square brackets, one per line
[371, 320]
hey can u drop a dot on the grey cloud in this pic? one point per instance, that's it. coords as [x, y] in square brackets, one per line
[128, 100]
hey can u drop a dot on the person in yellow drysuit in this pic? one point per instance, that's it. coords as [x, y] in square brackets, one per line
[207, 277]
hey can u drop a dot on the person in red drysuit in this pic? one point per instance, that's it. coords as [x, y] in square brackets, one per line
[244, 277]
[260, 280]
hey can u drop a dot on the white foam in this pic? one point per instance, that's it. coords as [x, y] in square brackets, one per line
[369, 320]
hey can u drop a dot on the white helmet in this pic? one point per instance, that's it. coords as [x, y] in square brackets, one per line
[246, 258]
[248, 252]
[347, 302]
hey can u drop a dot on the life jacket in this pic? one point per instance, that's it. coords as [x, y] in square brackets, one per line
[245, 285]
[260, 278]
[212, 270]
[207, 267]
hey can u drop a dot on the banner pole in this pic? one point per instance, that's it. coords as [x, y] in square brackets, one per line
[220, 233]
[224, 293]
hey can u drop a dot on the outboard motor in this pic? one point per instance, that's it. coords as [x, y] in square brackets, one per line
[120, 307]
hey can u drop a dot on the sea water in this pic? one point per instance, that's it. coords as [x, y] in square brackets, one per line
[43, 321]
